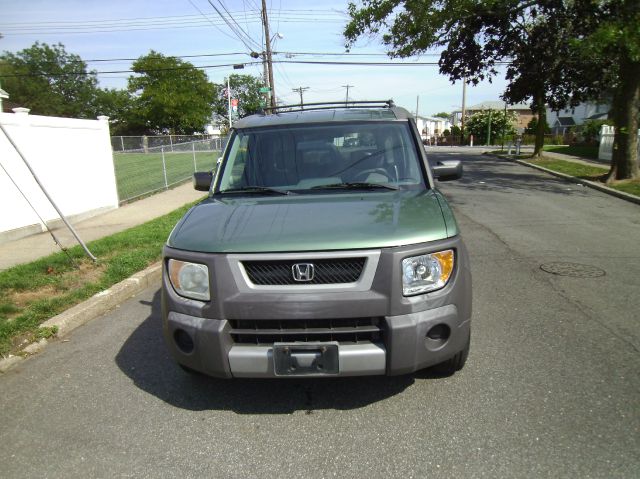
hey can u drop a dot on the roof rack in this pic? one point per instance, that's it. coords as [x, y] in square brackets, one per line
[330, 105]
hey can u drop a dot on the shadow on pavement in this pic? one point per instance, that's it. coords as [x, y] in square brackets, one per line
[145, 359]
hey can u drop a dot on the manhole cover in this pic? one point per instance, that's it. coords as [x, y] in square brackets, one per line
[574, 270]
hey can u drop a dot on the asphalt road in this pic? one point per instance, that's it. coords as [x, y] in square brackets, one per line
[551, 388]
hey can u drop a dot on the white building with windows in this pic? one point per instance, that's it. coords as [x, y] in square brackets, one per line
[430, 127]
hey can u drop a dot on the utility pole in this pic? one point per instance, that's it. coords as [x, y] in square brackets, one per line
[229, 101]
[300, 90]
[464, 112]
[267, 40]
[346, 98]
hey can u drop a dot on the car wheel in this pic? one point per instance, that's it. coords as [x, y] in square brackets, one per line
[454, 364]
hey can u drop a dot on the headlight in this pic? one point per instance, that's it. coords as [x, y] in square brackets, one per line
[426, 272]
[190, 280]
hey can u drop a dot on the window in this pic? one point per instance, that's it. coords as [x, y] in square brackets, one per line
[306, 156]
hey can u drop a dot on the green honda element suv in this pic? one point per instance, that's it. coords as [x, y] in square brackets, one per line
[323, 249]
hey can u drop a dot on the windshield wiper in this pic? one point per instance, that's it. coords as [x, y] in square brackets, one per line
[354, 186]
[255, 190]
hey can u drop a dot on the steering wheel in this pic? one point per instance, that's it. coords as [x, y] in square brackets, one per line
[362, 175]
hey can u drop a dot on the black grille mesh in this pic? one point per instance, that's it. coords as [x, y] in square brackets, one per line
[326, 271]
[269, 331]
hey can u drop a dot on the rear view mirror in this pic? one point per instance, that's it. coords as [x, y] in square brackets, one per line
[202, 180]
[448, 170]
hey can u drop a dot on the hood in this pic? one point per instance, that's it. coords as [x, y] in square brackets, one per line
[259, 224]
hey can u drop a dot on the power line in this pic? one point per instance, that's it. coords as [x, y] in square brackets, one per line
[233, 29]
[251, 40]
[209, 20]
[186, 67]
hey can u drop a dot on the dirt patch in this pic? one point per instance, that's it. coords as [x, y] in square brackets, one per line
[87, 272]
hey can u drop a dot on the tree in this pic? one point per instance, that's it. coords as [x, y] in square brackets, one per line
[117, 105]
[607, 44]
[477, 36]
[559, 52]
[532, 127]
[496, 121]
[244, 88]
[169, 96]
[442, 114]
[49, 81]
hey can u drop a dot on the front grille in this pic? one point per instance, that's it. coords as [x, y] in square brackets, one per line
[269, 331]
[326, 271]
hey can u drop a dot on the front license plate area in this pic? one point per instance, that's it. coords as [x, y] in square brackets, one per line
[306, 359]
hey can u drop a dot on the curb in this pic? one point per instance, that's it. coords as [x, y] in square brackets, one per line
[596, 186]
[90, 309]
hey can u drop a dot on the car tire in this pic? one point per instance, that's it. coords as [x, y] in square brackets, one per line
[456, 363]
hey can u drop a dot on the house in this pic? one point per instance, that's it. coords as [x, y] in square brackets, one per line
[432, 126]
[522, 110]
[559, 122]
[562, 125]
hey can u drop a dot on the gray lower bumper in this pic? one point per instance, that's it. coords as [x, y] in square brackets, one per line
[354, 359]
[406, 346]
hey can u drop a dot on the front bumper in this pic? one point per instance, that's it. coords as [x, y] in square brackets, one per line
[201, 336]
[406, 347]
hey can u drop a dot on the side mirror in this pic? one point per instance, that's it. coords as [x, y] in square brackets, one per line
[448, 170]
[202, 180]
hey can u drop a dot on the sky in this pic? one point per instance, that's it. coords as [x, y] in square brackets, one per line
[118, 30]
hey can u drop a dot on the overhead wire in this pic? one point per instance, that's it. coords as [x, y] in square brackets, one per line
[250, 63]
[209, 20]
[249, 37]
[231, 26]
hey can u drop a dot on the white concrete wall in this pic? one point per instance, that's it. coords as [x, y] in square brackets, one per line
[73, 160]
[605, 150]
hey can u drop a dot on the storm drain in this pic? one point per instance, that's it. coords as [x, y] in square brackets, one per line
[575, 270]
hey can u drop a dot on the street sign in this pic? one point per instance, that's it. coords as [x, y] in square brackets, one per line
[265, 89]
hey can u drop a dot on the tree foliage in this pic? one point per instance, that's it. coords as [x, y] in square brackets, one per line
[607, 41]
[496, 121]
[442, 114]
[116, 104]
[49, 81]
[558, 52]
[532, 127]
[244, 88]
[169, 96]
[476, 36]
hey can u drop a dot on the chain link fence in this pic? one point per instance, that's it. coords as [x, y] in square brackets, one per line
[136, 143]
[148, 169]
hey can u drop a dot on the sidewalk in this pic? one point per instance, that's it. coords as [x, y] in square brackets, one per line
[577, 159]
[30, 248]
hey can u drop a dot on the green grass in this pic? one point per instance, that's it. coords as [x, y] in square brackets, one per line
[587, 172]
[141, 173]
[34, 292]
[569, 168]
[574, 150]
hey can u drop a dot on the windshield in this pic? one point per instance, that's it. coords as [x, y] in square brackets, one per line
[315, 157]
